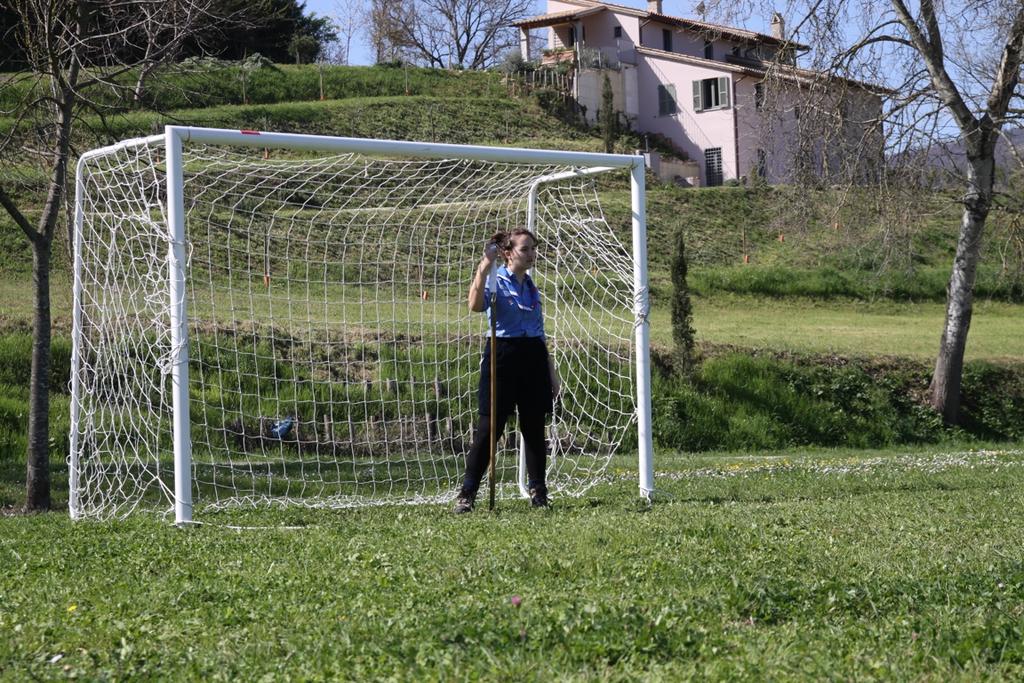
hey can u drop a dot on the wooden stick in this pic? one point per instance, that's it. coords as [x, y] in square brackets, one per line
[494, 383]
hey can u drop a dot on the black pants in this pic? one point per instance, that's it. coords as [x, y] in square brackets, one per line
[531, 426]
[523, 386]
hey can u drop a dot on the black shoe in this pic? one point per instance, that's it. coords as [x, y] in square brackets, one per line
[539, 497]
[464, 503]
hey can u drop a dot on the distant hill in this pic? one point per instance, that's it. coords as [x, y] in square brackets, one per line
[946, 161]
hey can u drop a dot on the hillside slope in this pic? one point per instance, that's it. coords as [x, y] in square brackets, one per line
[760, 241]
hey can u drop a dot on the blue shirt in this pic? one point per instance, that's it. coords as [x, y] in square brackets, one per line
[518, 306]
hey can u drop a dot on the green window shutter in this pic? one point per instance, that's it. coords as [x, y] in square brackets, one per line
[696, 97]
[670, 91]
[724, 86]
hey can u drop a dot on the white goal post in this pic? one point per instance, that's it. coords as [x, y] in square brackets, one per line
[280, 319]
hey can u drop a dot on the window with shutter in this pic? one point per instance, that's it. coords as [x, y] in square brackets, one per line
[666, 39]
[712, 93]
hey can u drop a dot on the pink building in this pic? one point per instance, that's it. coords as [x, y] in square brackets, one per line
[732, 102]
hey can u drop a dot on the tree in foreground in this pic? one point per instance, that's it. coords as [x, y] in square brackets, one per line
[70, 47]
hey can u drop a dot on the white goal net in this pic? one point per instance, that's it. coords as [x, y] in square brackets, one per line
[326, 355]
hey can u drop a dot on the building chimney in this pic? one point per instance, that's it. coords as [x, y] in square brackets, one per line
[778, 26]
[654, 6]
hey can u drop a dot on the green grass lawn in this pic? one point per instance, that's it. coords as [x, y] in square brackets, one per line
[809, 565]
[801, 325]
[849, 328]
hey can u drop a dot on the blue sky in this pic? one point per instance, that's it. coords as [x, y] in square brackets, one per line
[361, 52]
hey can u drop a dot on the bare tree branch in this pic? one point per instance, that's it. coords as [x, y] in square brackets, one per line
[930, 49]
[1008, 74]
[468, 34]
[18, 216]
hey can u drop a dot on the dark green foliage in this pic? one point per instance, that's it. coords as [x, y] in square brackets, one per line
[682, 310]
[738, 401]
[996, 412]
[560, 106]
[304, 49]
[12, 56]
[271, 28]
[926, 283]
[608, 117]
[234, 29]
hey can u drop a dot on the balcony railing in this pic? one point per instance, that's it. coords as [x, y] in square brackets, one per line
[557, 56]
[589, 57]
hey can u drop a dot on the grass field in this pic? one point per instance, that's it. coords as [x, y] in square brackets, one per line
[757, 564]
[850, 328]
[802, 565]
[799, 325]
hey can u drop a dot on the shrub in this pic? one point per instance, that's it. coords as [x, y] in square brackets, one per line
[608, 117]
[682, 309]
[738, 401]
[993, 401]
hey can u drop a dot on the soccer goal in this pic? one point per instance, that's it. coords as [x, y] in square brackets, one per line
[270, 319]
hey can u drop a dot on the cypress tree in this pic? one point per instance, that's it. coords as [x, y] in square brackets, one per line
[609, 120]
[682, 311]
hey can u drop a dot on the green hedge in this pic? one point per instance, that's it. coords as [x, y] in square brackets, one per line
[737, 401]
[731, 402]
[926, 283]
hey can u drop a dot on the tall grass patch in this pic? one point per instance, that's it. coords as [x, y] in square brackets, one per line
[466, 120]
[211, 84]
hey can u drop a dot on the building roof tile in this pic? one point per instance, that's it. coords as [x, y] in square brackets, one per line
[588, 7]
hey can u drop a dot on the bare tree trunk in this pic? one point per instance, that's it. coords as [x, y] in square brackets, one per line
[140, 84]
[948, 376]
[59, 36]
[37, 484]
